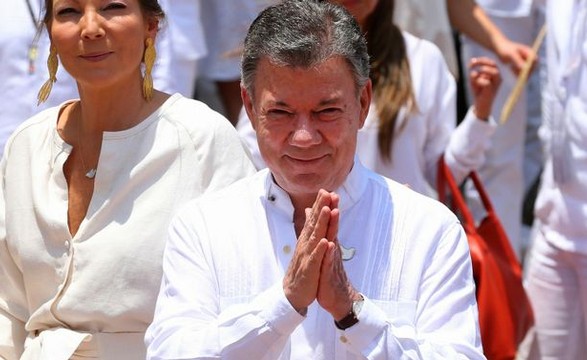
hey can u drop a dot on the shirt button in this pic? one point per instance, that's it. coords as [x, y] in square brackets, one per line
[343, 339]
[287, 249]
[67, 243]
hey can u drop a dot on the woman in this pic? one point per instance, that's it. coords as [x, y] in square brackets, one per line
[88, 188]
[412, 119]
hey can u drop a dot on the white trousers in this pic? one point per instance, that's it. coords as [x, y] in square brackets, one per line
[556, 282]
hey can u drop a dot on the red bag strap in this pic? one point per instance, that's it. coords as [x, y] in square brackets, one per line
[445, 178]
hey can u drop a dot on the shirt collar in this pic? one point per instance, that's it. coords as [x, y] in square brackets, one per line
[350, 191]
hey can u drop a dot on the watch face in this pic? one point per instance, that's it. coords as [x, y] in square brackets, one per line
[357, 306]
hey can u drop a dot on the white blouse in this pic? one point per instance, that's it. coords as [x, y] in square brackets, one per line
[94, 294]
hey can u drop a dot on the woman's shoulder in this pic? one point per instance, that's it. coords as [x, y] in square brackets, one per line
[41, 124]
[422, 51]
[193, 115]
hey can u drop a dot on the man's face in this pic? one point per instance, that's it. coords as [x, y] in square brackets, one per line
[306, 122]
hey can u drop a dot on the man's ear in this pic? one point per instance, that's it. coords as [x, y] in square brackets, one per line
[365, 100]
[248, 105]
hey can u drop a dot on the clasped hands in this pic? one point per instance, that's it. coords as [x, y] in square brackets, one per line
[316, 270]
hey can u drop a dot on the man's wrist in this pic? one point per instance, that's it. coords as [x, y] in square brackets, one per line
[352, 316]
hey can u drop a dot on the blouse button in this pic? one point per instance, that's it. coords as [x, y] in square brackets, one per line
[343, 339]
[287, 249]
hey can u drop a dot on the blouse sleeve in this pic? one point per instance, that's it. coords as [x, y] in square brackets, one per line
[224, 159]
[13, 313]
[464, 147]
[441, 116]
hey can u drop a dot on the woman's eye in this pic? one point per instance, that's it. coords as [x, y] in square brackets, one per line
[66, 11]
[115, 6]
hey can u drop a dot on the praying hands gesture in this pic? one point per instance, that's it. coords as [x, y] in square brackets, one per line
[316, 271]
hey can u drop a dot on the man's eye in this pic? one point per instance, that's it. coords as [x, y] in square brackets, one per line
[278, 112]
[329, 113]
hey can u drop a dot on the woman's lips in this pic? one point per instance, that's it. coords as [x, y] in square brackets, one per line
[96, 56]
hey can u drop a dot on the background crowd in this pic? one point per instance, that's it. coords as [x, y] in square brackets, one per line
[455, 63]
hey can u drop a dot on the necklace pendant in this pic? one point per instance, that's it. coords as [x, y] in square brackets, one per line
[91, 174]
[347, 253]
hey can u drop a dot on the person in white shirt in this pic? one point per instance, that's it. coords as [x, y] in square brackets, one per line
[316, 256]
[181, 44]
[88, 188]
[556, 270]
[225, 25]
[503, 173]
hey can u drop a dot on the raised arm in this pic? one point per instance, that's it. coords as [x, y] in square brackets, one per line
[470, 19]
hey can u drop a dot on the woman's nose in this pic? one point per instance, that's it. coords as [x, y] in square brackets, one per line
[91, 24]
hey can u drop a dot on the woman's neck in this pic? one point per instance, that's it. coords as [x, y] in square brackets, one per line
[113, 109]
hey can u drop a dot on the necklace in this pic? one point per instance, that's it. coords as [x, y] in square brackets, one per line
[91, 174]
[33, 50]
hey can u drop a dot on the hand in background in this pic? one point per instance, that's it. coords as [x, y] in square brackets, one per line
[485, 79]
[512, 53]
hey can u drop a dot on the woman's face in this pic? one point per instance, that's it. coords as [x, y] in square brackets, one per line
[360, 9]
[100, 42]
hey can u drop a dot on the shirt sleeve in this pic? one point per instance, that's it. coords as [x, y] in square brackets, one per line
[468, 145]
[446, 325]
[441, 115]
[13, 312]
[189, 322]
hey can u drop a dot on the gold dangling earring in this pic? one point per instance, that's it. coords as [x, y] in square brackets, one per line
[150, 54]
[52, 64]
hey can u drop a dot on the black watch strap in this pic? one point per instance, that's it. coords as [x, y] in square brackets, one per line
[352, 317]
[347, 321]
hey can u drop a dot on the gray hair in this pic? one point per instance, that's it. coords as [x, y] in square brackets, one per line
[304, 33]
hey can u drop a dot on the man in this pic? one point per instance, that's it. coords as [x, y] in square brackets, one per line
[315, 257]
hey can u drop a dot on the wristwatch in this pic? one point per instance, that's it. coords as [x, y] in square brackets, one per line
[352, 317]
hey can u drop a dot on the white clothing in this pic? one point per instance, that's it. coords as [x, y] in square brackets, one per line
[507, 8]
[180, 44]
[18, 87]
[557, 264]
[503, 171]
[556, 282]
[225, 26]
[428, 19]
[426, 134]
[224, 262]
[97, 289]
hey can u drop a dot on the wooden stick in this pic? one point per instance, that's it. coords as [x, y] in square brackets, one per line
[522, 78]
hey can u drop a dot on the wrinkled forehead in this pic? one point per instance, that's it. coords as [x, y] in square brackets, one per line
[332, 72]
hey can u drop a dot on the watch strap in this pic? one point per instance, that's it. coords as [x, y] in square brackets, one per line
[352, 317]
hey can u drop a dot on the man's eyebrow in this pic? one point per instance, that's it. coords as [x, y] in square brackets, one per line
[330, 101]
